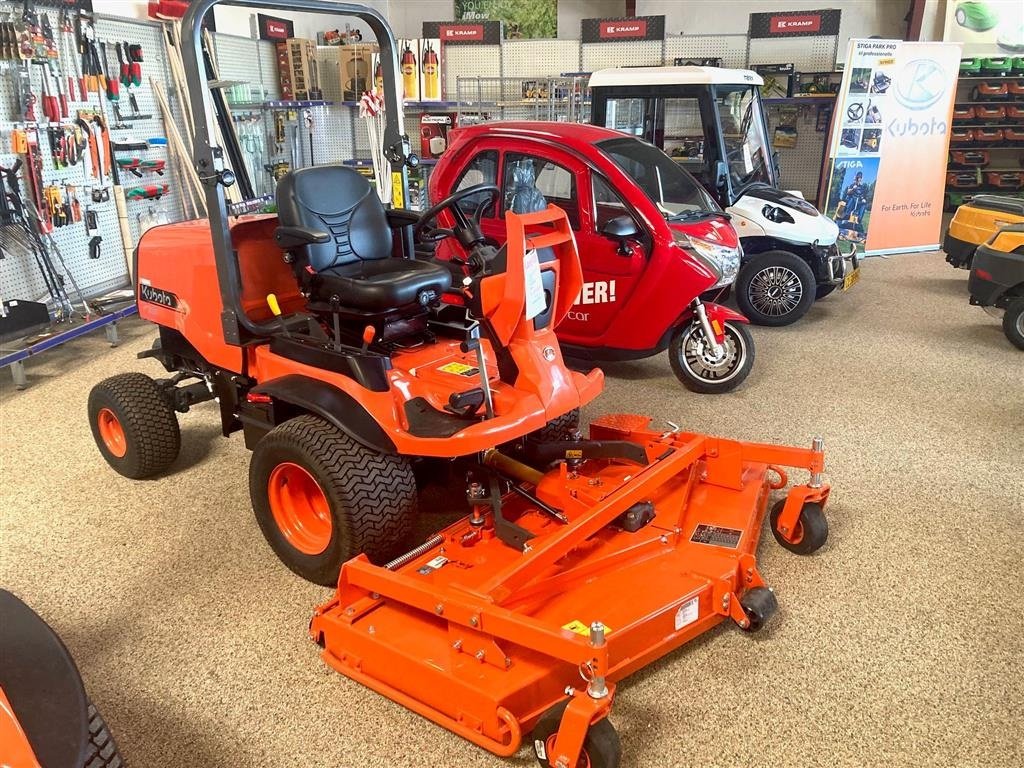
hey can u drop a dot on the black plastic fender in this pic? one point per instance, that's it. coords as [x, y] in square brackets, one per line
[309, 395]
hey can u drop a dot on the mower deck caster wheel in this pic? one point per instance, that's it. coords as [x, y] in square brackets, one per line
[759, 604]
[601, 747]
[811, 531]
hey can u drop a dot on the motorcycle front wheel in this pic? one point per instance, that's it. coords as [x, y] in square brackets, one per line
[695, 365]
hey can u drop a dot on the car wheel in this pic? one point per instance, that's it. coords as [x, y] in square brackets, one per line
[775, 288]
[1013, 322]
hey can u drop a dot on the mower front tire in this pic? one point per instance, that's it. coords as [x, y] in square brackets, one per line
[1013, 322]
[562, 428]
[102, 750]
[601, 747]
[134, 425]
[759, 604]
[811, 529]
[322, 498]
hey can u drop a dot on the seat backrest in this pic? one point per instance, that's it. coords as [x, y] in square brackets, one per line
[340, 201]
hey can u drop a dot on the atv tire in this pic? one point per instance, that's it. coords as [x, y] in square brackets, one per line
[322, 498]
[134, 425]
[775, 288]
[1013, 322]
[102, 751]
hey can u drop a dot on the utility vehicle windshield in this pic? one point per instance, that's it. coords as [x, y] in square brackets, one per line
[747, 151]
[676, 193]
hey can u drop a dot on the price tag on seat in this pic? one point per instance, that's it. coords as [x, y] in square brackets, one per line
[535, 302]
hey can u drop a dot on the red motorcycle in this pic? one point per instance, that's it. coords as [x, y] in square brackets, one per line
[652, 242]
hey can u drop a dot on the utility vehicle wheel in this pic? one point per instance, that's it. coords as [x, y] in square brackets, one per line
[699, 370]
[759, 604]
[102, 750]
[960, 16]
[562, 428]
[775, 288]
[134, 425]
[824, 290]
[811, 528]
[1013, 322]
[321, 498]
[601, 747]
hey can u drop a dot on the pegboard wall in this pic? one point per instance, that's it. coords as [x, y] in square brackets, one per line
[634, 53]
[539, 58]
[19, 275]
[465, 60]
[731, 49]
[800, 165]
[815, 53]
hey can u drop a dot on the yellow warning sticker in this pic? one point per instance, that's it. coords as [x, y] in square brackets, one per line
[580, 628]
[459, 369]
[574, 454]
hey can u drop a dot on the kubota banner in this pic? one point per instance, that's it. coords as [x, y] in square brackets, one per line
[889, 144]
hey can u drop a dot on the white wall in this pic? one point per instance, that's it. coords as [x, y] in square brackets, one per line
[572, 12]
[407, 16]
[861, 18]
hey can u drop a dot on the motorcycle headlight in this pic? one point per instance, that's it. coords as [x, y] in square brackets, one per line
[721, 259]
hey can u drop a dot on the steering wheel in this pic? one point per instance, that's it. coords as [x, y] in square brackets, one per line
[855, 112]
[467, 228]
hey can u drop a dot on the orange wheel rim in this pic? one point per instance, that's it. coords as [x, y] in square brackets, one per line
[549, 744]
[300, 508]
[112, 433]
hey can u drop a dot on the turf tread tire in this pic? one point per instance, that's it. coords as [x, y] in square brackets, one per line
[790, 261]
[372, 496]
[563, 427]
[102, 750]
[149, 422]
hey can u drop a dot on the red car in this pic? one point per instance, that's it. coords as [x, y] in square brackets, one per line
[650, 238]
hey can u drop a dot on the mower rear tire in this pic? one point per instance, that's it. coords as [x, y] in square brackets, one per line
[601, 747]
[134, 425]
[322, 498]
[102, 750]
[698, 372]
[1013, 322]
[811, 529]
[562, 428]
[775, 288]
[759, 604]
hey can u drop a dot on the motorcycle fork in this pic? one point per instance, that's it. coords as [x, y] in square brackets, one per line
[709, 332]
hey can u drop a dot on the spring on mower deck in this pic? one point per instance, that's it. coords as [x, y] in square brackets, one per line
[412, 554]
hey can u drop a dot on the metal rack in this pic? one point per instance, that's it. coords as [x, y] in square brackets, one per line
[486, 99]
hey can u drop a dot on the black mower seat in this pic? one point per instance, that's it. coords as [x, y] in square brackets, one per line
[337, 230]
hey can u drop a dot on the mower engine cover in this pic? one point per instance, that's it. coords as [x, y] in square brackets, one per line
[977, 222]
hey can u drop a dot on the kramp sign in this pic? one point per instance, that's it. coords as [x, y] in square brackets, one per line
[795, 23]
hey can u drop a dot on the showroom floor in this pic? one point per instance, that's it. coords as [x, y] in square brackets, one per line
[894, 645]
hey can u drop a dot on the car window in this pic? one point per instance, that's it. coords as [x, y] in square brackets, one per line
[483, 169]
[608, 204]
[531, 182]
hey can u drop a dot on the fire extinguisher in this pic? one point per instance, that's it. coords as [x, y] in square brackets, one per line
[410, 73]
[431, 74]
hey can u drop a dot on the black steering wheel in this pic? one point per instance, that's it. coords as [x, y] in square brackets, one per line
[467, 228]
[855, 111]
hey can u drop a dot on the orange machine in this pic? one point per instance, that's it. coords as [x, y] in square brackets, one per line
[636, 542]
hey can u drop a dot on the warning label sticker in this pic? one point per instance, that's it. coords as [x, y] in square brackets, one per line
[580, 628]
[687, 613]
[460, 369]
[716, 537]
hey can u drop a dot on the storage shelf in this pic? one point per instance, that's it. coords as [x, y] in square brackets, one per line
[986, 168]
[280, 104]
[809, 97]
[1019, 76]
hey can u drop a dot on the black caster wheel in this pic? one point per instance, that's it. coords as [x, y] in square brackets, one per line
[811, 529]
[759, 604]
[601, 747]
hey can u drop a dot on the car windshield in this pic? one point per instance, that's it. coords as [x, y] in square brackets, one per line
[676, 193]
[746, 147]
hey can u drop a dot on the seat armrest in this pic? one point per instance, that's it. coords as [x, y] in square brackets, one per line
[293, 237]
[401, 217]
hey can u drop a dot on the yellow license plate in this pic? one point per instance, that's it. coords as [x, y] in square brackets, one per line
[851, 279]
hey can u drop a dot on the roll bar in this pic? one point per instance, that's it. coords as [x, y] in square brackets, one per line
[209, 157]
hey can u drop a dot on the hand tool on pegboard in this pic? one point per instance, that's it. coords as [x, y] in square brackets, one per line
[51, 107]
[90, 54]
[69, 53]
[25, 98]
[53, 62]
[113, 85]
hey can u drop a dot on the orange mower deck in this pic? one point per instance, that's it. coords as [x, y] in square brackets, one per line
[483, 639]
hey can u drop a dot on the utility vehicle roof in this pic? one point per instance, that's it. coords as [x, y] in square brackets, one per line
[674, 76]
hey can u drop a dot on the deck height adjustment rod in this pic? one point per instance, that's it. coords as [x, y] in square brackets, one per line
[596, 687]
[817, 445]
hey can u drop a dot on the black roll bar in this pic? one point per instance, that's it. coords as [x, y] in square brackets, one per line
[209, 157]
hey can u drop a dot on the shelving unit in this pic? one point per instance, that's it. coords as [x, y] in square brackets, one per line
[1006, 157]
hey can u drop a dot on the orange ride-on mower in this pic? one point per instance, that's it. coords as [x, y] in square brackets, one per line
[327, 345]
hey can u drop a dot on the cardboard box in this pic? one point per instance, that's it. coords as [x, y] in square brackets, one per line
[434, 128]
[430, 69]
[409, 68]
[355, 69]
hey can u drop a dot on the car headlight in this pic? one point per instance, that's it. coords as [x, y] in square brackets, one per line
[722, 259]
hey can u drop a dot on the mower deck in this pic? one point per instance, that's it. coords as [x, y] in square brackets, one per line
[483, 639]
